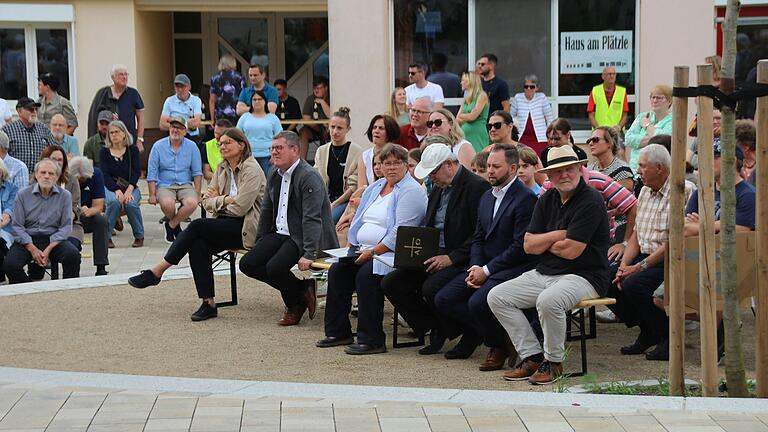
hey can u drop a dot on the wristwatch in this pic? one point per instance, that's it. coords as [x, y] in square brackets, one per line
[644, 264]
[140, 139]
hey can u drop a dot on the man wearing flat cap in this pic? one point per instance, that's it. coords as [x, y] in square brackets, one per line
[569, 232]
[185, 105]
[28, 137]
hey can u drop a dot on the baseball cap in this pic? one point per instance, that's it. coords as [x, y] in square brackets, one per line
[180, 120]
[717, 148]
[105, 115]
[182, 79]
[25, 102]
[432, 157]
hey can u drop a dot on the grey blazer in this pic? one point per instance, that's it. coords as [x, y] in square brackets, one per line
[309, 211]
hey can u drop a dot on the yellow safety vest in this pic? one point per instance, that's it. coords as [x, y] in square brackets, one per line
[606, 115]
[213, 153]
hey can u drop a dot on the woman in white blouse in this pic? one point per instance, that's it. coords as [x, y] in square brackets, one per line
[533, 113]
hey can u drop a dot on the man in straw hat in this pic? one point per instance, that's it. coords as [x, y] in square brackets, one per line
[569, 232]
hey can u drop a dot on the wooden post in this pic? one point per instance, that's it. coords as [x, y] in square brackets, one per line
[761, 118]
[707, 269]
[675, 286]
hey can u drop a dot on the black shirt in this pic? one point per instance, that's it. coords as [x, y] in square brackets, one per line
[581, 154]
[288, 109]
[498, 91]
[337, 158]
[585, 218]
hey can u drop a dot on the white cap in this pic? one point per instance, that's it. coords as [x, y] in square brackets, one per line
[433, 156]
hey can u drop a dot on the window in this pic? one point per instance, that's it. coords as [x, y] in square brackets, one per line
[303, 37]
[13, 64]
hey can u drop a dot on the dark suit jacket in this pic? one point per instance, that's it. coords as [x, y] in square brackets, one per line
[461, 215]
[309, 211]
[498, 242]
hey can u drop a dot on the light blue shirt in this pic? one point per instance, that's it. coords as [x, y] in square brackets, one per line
[70, 145]
[175, 107]
[407, 208]
[168, 167]
[260, 132]
[17, 171]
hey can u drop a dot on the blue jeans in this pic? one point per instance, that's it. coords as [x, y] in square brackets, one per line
[263, 163]
[131, 209]
[338, 211]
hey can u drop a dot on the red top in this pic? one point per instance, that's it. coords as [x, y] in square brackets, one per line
[408, 137]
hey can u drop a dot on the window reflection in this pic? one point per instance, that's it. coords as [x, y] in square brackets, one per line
[303, 37]
[52, 56]
[248, 36]
[13, 71]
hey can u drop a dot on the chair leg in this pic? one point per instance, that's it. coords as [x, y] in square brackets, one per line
[395, 344]
[54, 270]
[229, 257]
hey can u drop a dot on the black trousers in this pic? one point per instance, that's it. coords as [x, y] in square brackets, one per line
[270, 261]
[98, 226]
[413, 294]
[343, 281]
[65, 252]
[201, 239]
[634, 302]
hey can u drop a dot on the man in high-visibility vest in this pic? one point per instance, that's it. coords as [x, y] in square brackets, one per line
[608, 105]
[210, 154]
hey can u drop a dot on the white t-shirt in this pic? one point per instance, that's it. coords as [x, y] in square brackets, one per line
[5, 113]
[433, 91]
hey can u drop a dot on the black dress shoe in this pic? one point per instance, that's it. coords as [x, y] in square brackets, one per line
[363, 349]
[464, 349]
[436, 342]
[331, 341]
[660, 353]
[205, 312]
[144, 279]
[101, 270]
[640, 346]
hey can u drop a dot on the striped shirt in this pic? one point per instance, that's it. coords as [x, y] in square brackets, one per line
[539, 109]
[618, 199]
[617, 169]
[652, 222]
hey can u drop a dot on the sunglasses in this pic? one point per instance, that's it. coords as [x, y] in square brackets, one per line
[592, 140]
[496, 125]
[528, 86]
[411, 73]
[435, 123]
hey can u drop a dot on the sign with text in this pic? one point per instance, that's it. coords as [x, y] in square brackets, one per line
[590, 52]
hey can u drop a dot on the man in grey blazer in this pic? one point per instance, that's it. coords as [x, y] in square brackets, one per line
[295, 226]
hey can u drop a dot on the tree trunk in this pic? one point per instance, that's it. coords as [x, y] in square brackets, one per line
[734, 358]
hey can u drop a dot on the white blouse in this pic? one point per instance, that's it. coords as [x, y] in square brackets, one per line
[374, 220]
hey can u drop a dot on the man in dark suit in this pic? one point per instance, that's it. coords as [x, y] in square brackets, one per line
[295, 226]
[452, 209]
[496, 256]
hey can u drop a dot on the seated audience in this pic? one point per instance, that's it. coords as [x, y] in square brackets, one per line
[316, 107]
[336, 162]
[382, 130]
[8, 192]
[294, 227]
[259, 125]
[746, 138]
[442, 123]
[99, 140]
[396, 200]
[211, 156]
[452, 209]
[28, 136]
[288, 107]
[183, 104]
[642, 265]
[414, 157]
[569, 233]
[174, 175]
[604, 147]
[657, 121]
[42, 222]
[17, 171]
[559, 135]
[92, 207]
[496, 256]
[413, 133]
[398, 109]
[529, 164]
[234, 200]
[121, 167]
[480, 164]
[58, 127]
[501, 129]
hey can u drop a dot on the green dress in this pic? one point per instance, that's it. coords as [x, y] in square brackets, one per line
[475, 131]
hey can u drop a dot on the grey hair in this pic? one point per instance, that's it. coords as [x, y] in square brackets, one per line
[428, 99]
[117, 67]
[4, 174]
[128, 140]
[81, 166]
[4, 141]
[290, 137]
[657, 154]
[532, 78]
[55, 164]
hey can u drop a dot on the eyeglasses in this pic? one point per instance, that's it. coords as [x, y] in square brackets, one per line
[592, 140]
[656, 97]
[496, 125]
[412, 73]
[555, 137]
[392, 164]
[418, 112]
[434, 171]
[528, 86]
[435, 123]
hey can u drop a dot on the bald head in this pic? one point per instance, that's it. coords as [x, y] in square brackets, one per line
[609, 76]
[420, 114]
[58, 127]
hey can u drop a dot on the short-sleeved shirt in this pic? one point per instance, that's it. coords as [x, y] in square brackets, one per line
[70, 145]
[226, 86]
[498, 92]
[433, 91]
[174, 168]
[260, 132]
[175, 107]
[608, 98]
[57, 105]
[584, 217]
[128, 104]
[618, 169]
[310, 108]
[92, 189]
[289, 109]
[745, 204]
[26, 144]
[270, 92]
[449, 82]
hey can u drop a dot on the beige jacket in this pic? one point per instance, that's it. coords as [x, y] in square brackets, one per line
[251, 183]
[350, 169]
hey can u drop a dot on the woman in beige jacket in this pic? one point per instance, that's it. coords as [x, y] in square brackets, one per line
[234, 199]
[337, 161]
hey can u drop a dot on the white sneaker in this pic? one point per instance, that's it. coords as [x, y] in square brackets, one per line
[606, 316]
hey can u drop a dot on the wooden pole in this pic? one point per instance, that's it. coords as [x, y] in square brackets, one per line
[676, 283]
[761, 119]
[707, 270]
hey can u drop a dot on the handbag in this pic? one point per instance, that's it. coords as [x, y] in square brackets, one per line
[122, 183]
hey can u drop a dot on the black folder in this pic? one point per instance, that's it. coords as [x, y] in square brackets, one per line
[414, 245]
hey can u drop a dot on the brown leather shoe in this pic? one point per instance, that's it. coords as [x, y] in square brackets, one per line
[292, 316]
[494, 360]
[547, 373]
[137, 243]
[310, 296]
[524, 370]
